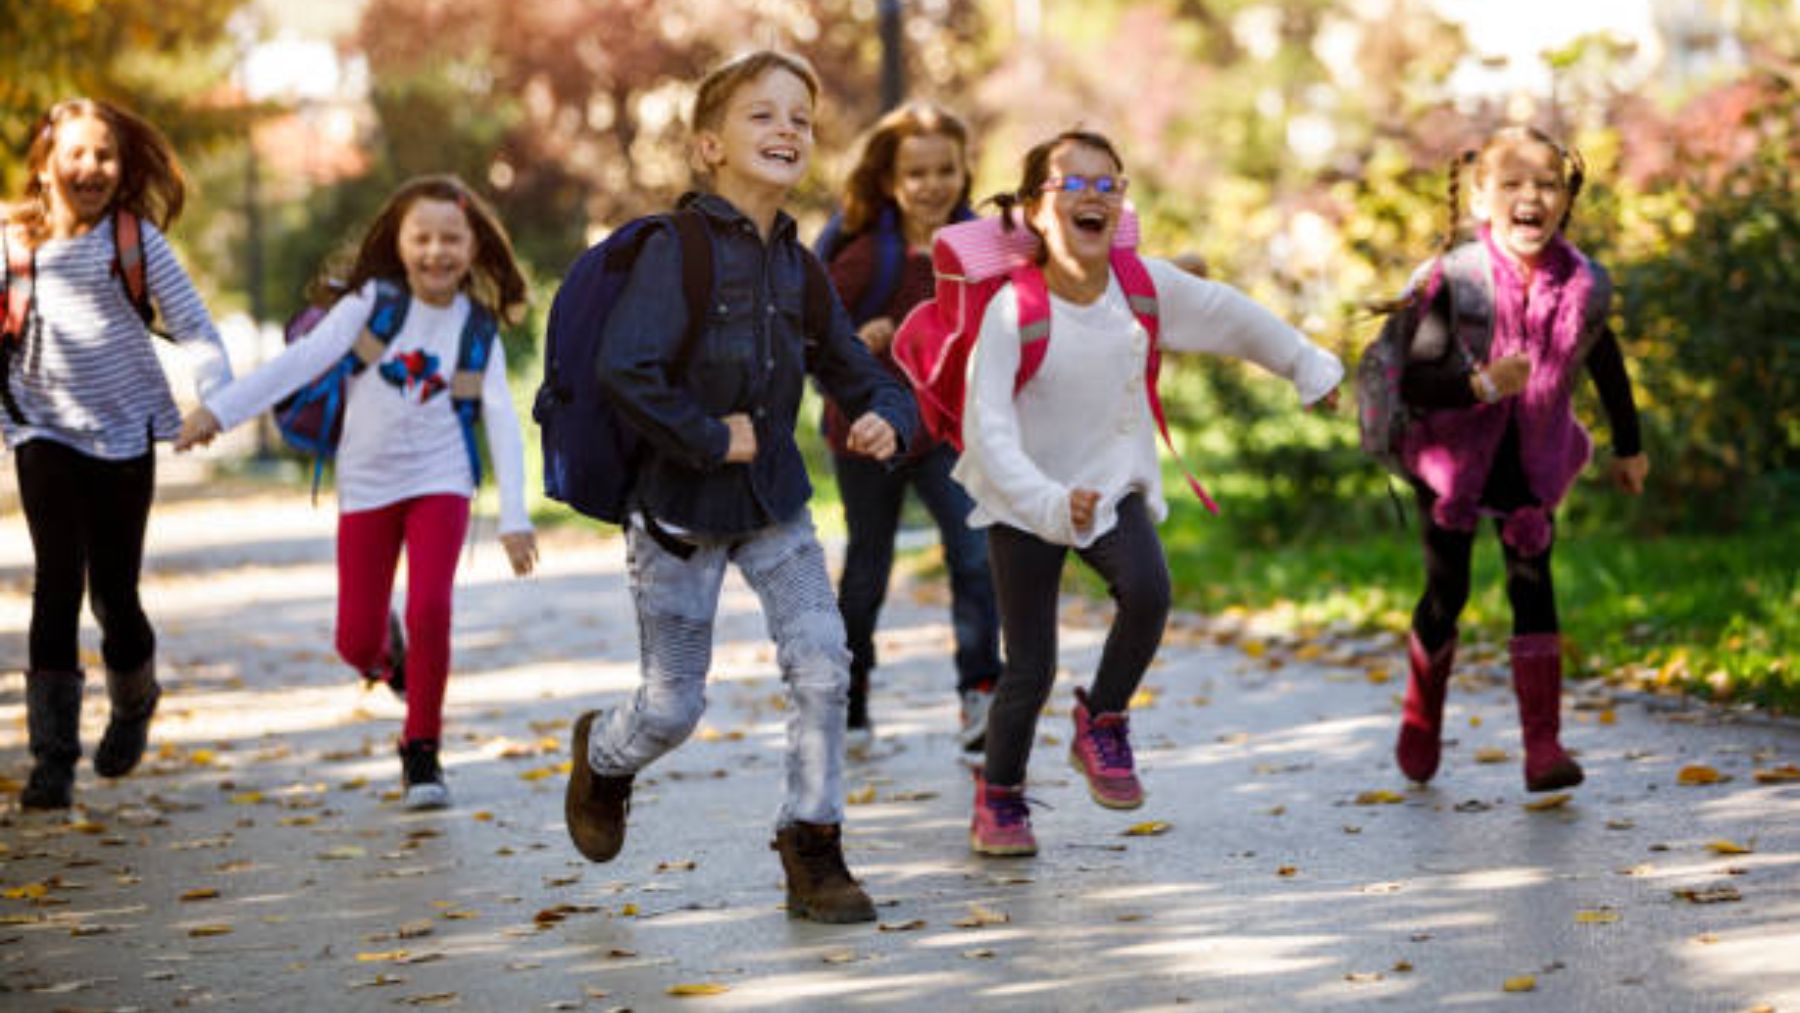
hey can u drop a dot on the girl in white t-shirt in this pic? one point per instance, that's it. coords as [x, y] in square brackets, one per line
[1068, 461]
[405, 475]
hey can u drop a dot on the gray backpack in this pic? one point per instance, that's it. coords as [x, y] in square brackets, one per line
[1382, 415]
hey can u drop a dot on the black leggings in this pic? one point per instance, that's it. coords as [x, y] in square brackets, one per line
[1447, 560]
[87, 518]
[1027, 582]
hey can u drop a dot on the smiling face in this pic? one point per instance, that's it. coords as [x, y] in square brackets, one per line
[81, 174]
[1077, 226]
[437, 247]
[1522, 192]
[929, 176]
[764, 138]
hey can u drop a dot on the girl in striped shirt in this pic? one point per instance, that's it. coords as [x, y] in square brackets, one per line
[84, 401]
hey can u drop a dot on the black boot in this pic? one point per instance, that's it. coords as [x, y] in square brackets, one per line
[133, 694]
[53, 720]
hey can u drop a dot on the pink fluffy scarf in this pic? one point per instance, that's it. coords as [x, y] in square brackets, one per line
[1452, 450]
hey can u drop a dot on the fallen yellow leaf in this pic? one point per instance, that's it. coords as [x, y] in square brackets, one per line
[1778, 775]
[1699, 773]
[699, 988]
[201, 893]
[1377, 676]
[1521, 983]
[30, 891]
[861, 796]
[203, 931]
[1725, 847]
[979, 916]
[1556, 801]
[1601, 916]
[382, 956]
[1380, 796]
[1148, 828]
[1491, 754]
[246, 798]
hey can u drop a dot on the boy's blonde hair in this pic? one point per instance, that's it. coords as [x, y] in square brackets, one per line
[723, 81]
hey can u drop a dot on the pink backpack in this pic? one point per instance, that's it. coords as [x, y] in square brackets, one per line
[972, 260]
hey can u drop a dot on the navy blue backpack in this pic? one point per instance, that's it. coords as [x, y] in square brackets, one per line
[591, 452]
[311, 419]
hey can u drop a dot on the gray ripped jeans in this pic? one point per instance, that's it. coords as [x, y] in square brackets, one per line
[676, 602]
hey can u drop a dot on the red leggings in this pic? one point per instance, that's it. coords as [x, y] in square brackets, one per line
[368, 547]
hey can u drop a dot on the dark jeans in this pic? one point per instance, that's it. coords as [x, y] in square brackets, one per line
[87, 518]
[1447, 563]
[1028, 579]
[873, 496]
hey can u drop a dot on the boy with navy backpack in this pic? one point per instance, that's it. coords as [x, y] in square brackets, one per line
[718, 478]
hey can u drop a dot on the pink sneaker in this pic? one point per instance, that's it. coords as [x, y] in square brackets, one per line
[1002, 823]
[1102, 752]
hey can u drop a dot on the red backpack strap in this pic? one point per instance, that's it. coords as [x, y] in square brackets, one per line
[1140, 292]
[1034, 322]
[20, 287]
[128, 263]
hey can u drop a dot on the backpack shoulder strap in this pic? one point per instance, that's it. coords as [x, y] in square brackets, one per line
[473, 349]
[20, 283]
[819, 293]
[1470, 281]
[890, 263]
[1034, 322]
[1140, 293]
[128, 263]
[696, 275]
[385, 320]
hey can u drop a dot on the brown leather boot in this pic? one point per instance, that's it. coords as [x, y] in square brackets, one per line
[1537, 681]
[595, 806]
[133, 694]
[819, 885]
[53, 722]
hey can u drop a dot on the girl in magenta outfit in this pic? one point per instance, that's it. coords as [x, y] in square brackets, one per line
[404, 474]
[1498, 438]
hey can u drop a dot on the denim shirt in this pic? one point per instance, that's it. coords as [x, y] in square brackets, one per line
[752, 356]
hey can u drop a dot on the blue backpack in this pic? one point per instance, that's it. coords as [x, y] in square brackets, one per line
[311, 419]
[890, 257]
[591, 452]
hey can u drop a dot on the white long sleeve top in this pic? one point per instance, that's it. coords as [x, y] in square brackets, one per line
[399, 441]
[1084, 420]
[86, 375]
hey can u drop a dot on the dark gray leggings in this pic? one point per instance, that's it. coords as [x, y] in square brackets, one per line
[1027, 581]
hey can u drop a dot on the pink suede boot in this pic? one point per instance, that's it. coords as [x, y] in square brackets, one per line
[1537, 680]
[1422, 720]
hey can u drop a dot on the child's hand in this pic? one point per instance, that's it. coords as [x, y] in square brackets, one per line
[1508, 375]
[871, 436]
[1081, 507]
[197, 430]
[743, 439]
[878, 334]
[521, 551]
[1328, 403]
[1628, 473]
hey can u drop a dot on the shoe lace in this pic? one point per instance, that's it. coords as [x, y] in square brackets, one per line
[1013, 807]
[1112, 741]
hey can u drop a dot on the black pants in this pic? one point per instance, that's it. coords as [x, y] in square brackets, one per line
[87, 518]
[1027, 582]
[1447, 562]
[873, 496]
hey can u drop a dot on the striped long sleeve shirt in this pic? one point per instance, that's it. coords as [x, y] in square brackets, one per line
[86, 375]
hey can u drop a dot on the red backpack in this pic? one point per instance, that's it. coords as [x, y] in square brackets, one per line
[972, 260]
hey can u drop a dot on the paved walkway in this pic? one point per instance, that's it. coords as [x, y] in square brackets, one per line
[260, 860]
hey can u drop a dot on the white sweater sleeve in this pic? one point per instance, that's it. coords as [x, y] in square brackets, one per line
[1200, 315]
[991, 429]
[505, 446]
[297, 365]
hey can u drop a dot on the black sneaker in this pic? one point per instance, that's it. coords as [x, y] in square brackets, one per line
[423, 777]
